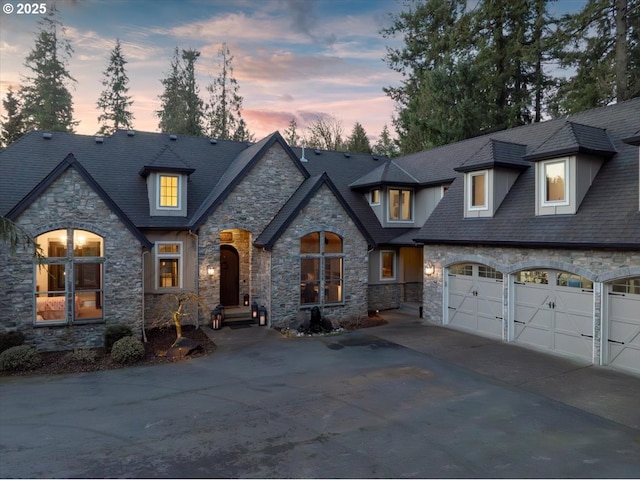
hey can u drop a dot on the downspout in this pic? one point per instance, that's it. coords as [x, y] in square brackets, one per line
[197, 274]
[144, 333]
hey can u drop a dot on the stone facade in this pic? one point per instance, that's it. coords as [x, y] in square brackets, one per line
[70, 203]
[599, 266]
[322, 213]
[384, 296]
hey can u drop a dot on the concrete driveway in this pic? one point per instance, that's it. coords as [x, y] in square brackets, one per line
[403, 400]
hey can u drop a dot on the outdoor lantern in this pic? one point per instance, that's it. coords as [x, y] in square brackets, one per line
[211, 271]
[262, 314]
[429, 269]
[246, 300]
[216, 319]
[254, 310]
[221, 308]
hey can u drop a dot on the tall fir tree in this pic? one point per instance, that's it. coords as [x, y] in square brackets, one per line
[181, 110]
[358, 142]
[602, 44]
[13, 124]
[224, 111]
[114, 101]
[47, 101]
[385, 145]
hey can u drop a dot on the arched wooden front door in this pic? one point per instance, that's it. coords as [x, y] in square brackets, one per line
[229, 276]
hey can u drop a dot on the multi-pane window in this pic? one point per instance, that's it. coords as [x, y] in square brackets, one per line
[169, 264]
[400, 205]
[627, 285]
[387, 265]
[478, 190]
[169, 191]
[321, 268]
[565, 279]
[69, 280]
[555, 181]
[488, 272]
[461, 269]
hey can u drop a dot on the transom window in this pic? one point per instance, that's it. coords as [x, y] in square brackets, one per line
[387, 265]
[400, 205]
[69, 280]
[488, 272]
[565, 279]
[555, 182]
[321, 268]
[627, 285]
[461, 269]
[169, 264]
[169, 191]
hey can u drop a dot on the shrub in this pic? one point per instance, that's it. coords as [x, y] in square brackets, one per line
[127, 350]
[10, 339]
[113, 333]
[22, 357]
[85, 356]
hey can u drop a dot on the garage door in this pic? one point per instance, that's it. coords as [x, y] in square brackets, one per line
[554, 311]
[623, 333]
[475, 299]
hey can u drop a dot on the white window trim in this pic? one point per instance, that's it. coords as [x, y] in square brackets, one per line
[543, 184]
[159, 191]
[393, 256]
[470, 176]
[162, 256]
[371, 202]
[412, 197]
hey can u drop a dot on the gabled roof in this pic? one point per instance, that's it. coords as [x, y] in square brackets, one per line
[574, 138]
[389, 173]
[237, 170]
[296, 203]
[496, 153]
[71, 162]
[167, 161]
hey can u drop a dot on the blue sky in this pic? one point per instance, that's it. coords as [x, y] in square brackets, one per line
[292, 58]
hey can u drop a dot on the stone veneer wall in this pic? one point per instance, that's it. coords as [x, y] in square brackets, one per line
[412, 292]
[323, 212]
[70, 202]
[596, 265]
[250, 206]
[384, 296]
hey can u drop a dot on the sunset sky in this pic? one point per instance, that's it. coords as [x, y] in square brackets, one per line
[292, 58]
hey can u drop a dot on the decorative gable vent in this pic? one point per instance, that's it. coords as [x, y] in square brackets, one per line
[47, 135]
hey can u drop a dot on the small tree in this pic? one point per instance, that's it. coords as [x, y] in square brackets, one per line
[114, 101]
[358, 141]
[174, 308]
[386, 145]
[13, 126]
[291, 134]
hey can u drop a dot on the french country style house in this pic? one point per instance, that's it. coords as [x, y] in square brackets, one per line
[529, 235]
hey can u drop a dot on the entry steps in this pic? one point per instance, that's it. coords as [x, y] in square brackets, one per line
[239, 316]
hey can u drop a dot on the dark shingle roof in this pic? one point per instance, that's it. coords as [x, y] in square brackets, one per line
[607, 217]
[390, 173]
[496, 153]
[574, 138]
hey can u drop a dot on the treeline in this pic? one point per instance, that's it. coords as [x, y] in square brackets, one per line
[472, 68]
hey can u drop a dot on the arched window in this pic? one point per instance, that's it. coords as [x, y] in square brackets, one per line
[321, 267]
[69, 279]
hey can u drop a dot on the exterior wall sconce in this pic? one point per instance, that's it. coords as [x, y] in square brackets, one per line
[211, 271]
[254, 310]
[216, 318]
[246, 300]
[429, 269]
[262, 313]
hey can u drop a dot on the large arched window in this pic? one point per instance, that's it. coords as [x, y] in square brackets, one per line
[321, 267]
[69, 279]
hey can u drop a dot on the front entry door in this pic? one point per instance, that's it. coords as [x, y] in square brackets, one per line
[229, 276]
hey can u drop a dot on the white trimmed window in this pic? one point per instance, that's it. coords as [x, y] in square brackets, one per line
[387, 265]
[168, 192]
[168, 265]
[400, 205]
[554, 185]
[477, 190]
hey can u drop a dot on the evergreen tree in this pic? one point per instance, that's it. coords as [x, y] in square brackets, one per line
[181, 111]
[385, 144]
[13, 125]
[358, 141]
[47, 102]
[224, 112]
[602, 44]
[291, 134]
[114, 101]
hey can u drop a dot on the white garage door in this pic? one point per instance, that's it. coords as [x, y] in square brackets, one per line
[554, 311]
[475, 299]
[623, 333]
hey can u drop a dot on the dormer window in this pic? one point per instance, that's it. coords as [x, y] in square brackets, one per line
[400, 205]
[555, 184]
[374, 197]
[168, 191]
[478, 189]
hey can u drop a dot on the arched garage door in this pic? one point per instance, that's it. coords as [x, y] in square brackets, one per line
[623, 332]
[475, 299]
[554, 311]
